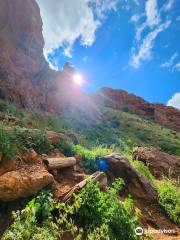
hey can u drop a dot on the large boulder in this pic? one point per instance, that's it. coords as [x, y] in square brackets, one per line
[136, 184]
[160, 163]
[24, 182]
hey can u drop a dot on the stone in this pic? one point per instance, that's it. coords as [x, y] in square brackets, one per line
[136, 184]
[159, 163]
[24, 182]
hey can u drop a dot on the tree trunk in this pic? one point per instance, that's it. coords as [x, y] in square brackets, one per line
[96, 177]
[58, 163]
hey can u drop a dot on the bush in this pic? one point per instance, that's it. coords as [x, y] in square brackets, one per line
[8, 107]
[34, 139]
[99, 210]
[143, 169]
[169, 198]
[90, 214]
[8, 144]
[35, 221]
[89, 156]
[66, 147]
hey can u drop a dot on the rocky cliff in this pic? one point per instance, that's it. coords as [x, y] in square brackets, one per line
[22, 64]
[119, 99]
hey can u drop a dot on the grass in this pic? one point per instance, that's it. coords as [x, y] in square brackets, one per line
[8, 145]
[89, 156]
[169, 198]
[143, 169]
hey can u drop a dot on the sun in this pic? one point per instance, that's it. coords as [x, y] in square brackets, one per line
[78, 79]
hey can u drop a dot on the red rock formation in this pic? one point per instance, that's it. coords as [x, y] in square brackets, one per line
[160, 163]
[118, 99]
[22, 63]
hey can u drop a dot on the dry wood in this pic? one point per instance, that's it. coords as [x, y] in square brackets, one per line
[59, 162]
[97, 176]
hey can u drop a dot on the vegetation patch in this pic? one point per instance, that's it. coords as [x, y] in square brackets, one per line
[169, 198]
[90, 214]
[8, 144]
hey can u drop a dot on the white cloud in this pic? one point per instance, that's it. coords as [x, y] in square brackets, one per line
[136, 2]
[152, 14]
[175, 101]
[66, 21]
[170, 62]
[139, 30]
[144, 52]
[167, 6]
[178, 18]
[177, 67]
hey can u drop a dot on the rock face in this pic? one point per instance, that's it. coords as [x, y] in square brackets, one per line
[160, 163]
[22, 64]
[118, 99]
[136, 184]
[23, 182]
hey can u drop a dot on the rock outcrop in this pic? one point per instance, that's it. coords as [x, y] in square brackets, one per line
[24, 182]
[22, 64]
[55, 137]
[119, 99]
[159, 163]
[23, 177]
[136, 184]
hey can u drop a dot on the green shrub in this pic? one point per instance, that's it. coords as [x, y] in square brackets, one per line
[35, 221]
[34, 139]
[89, 156]
[169, 198]
[8, 107]
[8, 144]
[99, 209]
[66, 147]
[143, 169]
[90, 214]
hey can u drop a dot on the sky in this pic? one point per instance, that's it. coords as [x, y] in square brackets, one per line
[132, 45]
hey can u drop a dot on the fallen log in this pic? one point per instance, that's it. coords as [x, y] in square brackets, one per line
[58, 163]
[96, 177]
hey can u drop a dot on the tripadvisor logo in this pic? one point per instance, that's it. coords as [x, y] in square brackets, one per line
[139, 231]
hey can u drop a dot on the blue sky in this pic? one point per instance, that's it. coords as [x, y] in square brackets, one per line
[132, 45]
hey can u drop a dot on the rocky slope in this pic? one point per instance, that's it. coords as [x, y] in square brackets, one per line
[119, 99]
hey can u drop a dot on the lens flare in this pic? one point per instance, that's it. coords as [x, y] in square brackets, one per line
[78, 79]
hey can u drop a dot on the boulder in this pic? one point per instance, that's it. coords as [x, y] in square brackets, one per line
[8, 165]
[137, 185]
[160, 163]
[24, 182]
[55, 137]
